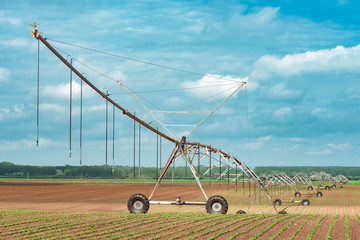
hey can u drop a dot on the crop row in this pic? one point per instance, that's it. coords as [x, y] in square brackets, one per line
[69, 225]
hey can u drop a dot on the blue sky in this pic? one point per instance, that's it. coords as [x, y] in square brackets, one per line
[300, 60]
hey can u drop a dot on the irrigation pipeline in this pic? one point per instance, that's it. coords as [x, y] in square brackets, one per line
[36, 34]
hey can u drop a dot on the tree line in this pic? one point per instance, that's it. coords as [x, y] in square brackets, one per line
[11, 170]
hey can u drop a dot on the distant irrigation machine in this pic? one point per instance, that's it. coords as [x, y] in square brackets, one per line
[303, 181]
[284, 182]
[194, 154]
[325, 180]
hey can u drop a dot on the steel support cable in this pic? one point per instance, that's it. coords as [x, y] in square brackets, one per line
[38, 96]
[248, 125]
[167, 115]
[134, 147]
[36, 34]
[114, 80]
[178, 89]
[85, 65]
[131, 93]
[70, 111]
[139, 149]
[81, 111]
[157, 155]
[113, 134]
[139, 61]
[210, 166]
[106, 129]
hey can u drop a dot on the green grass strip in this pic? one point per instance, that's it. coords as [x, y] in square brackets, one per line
[252, 219]
[301, 226]
[256, 235]
[221, 227]
[332, 223]
[284, 227]
[347, 227]
[311, 234]
[252, 227]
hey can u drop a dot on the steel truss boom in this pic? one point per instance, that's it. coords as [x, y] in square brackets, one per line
[184, 149]
[36, 34]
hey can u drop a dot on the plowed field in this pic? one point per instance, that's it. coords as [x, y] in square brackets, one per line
[63, 209]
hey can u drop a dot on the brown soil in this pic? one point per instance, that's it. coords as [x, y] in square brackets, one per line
[112, 197]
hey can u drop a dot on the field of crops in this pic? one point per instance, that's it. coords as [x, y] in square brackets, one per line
[103, 225]
[97, 210]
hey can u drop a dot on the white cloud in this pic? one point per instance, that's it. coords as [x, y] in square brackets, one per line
[276, 149]
[257, 143]
[4, 19]
[265, 139]
[221, 86]
[6, 113]
[317, 111]
[17, 43]
[52, 107]
[337, 59]
[4, 74]
[332, 147]
[326, 151]
[281, 92]
[62, 91]
[282, 113]
[256, 20]
[96, 108]
[341, 147]
[24, 143]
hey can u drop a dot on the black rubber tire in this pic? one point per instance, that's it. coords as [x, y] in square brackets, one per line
[297, 194]
[319, 194]
[217, 205]
[241, 212]
[334, 186]
[305, 202]
[341, 186]
[138, 203]
[277, 202]
[282, 212]
[319, 185]
[310, 188]
[327, 188]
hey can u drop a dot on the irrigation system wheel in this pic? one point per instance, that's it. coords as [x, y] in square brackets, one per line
[334, 186]
[319, 186]
[138, 203]
[327, 188]
[297, 194]
[282, 212]
[277, 202]
[241, 212]
[319, 194]
[305, 202]
[217, 205]
[310, 188]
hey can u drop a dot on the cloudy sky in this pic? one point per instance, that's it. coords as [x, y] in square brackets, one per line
[300, 61]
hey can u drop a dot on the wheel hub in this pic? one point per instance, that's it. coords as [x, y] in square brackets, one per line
[216, 206]
[138, 205]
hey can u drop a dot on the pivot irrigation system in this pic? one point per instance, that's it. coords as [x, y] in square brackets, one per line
[193, 153]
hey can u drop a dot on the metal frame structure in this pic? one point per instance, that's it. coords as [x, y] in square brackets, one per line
[323, 177]
[305, 180]
[341, 179]
[284, 180]
[182, 148]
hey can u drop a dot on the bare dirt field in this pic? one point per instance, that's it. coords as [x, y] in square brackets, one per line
[101, 207]
[112, 196]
